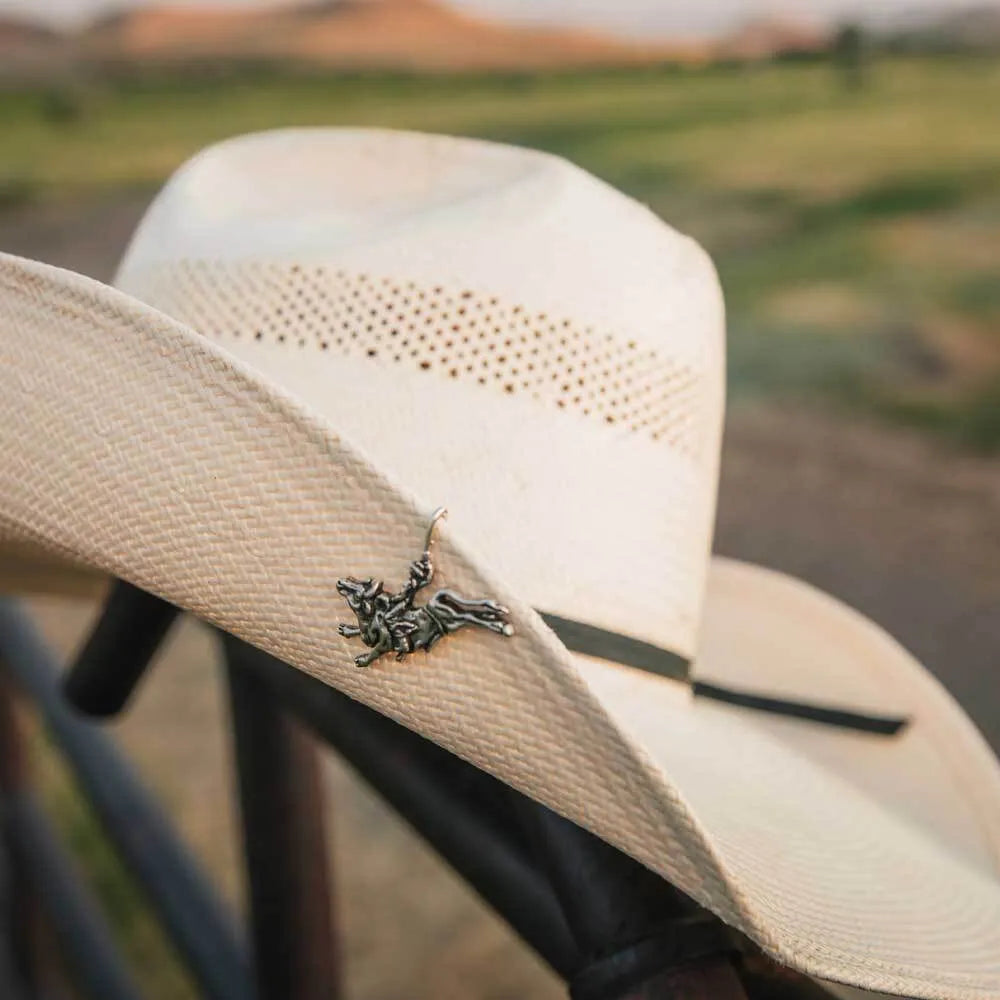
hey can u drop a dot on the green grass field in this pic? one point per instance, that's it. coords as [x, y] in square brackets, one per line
[857, 231]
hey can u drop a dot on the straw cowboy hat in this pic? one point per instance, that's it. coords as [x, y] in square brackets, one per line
[318, 337]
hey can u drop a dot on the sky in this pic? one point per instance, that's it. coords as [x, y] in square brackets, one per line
[626, 17]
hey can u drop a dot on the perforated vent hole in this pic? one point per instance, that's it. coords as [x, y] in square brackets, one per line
[458, 333]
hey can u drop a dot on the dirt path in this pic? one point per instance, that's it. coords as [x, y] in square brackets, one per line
[898, 526]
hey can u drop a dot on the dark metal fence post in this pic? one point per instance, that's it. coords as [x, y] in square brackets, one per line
[709, 979]
[641, 939]
[20, 917]
[461, 812]
[285, 846]
[118, 651]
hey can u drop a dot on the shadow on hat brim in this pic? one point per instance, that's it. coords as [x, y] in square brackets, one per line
[136, 447]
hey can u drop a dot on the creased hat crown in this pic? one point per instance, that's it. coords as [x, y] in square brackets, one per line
[496, 328]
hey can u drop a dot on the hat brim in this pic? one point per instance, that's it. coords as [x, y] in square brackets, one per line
[841, 820]
[137, 447]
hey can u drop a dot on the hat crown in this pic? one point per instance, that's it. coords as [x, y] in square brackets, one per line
[496, 328]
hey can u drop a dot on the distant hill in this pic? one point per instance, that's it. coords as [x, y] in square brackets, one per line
[28, 51]
[767, 38]
[975, 28]
[166, 33]
[14, 31]
[418, 35]
[408, 34]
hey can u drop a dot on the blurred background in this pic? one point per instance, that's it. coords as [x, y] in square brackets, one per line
[841, 162]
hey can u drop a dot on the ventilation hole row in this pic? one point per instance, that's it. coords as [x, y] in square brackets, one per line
[458, 334]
